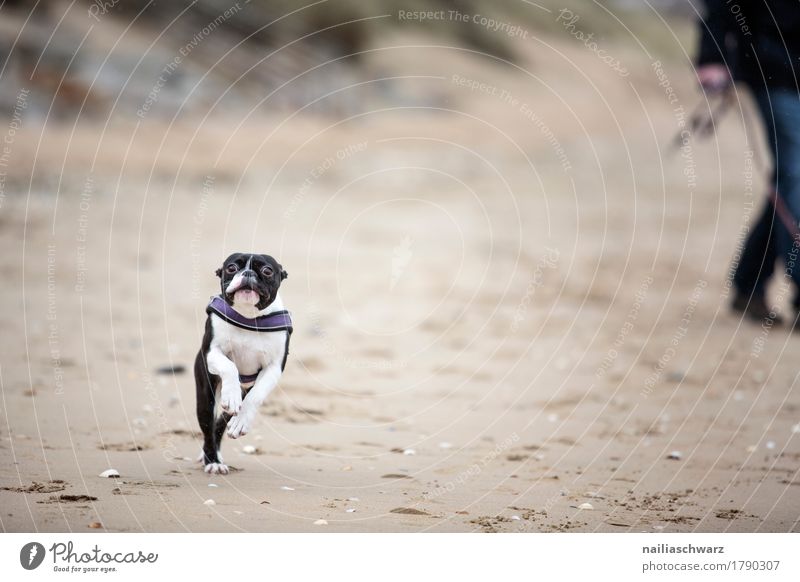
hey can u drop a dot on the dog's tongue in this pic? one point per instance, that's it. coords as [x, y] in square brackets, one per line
[246, 296]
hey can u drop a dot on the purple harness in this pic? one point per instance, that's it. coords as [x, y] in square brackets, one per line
[275, 321]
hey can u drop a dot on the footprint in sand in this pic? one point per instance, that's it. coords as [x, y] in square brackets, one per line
[408, 511]
[36, 487]
[124, 447]
[69, 499]
[152, 484]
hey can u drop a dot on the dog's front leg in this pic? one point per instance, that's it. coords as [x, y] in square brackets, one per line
[231, 391]
[267, 379]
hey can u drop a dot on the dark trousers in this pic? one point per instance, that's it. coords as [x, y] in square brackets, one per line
[774, 235]
[757, 262]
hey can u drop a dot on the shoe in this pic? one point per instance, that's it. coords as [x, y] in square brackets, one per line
[755, 308]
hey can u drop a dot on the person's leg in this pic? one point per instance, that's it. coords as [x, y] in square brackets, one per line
[754, 269]
[757, 261]
[780, 109]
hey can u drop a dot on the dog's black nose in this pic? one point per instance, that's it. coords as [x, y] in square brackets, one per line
[248, 274]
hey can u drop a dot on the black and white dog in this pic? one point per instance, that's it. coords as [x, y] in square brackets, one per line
[244, 350]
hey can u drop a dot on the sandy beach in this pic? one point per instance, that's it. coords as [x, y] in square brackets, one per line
[510, 305]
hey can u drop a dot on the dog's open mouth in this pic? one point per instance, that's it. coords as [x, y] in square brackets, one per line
[245, 295]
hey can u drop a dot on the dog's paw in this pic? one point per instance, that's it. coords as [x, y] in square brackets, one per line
[238, 426]
[201, 458]
[231, 400]
[216, 469]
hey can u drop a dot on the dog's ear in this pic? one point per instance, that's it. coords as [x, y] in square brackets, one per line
[218, 273]
[284, 274]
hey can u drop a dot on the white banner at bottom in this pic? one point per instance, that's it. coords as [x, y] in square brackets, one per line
[401, 557]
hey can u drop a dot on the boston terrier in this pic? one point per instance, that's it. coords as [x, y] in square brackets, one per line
[244, 350]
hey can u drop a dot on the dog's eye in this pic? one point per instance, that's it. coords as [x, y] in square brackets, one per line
[232, 268]
[267, 271]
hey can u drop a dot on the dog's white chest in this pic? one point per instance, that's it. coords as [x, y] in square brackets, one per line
[249, 350]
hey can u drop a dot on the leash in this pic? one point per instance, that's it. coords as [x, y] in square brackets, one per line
[702, 119]
[785, 215]
[783, 212]
[702, 124]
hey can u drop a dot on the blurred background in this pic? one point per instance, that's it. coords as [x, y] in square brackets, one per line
[119, 57]
[498, 255]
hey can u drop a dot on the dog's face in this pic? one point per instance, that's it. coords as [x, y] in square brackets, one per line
[247, 279]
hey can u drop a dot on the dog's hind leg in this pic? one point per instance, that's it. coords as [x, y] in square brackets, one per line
[206, 400]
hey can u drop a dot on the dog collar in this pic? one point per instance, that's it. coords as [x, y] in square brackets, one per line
[275, 321]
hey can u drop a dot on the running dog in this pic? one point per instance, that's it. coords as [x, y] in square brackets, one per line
[244, 350]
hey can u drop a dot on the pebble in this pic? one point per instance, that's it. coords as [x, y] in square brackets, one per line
[109, 474]
[516, 518]
[353, 499]
[238, 512]
[585, 506]
[347, 468]
[321, 522]
[770, 444]
[409, 452]
[675, 455]
[209, 502]
[751, 449]
[213, 485]
[249, 450]
[796, 428]
[95, 525]
[350, 510]
[287, 488]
